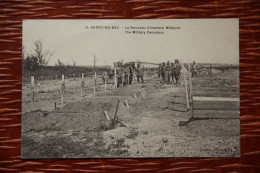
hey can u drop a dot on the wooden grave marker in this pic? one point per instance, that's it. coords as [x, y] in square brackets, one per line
[32, 90]
[62, 90]
[82, 85]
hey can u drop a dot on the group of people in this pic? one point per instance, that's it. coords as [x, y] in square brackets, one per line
[125, 73]
[170, 71]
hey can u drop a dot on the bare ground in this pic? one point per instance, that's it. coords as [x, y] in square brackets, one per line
[149, 128]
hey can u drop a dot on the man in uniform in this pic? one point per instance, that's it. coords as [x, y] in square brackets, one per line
[134, 72]
[172, 72]
[168, 71]
[194, 69]
[177, 71]
[127, 71]
[119, 74]
[131, 72]
[159, 70]
[140, 73]
[104, 76]
[111, 73]
[163, 71]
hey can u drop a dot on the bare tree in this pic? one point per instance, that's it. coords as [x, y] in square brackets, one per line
[43, 56]
[60, 64]
[30, 62]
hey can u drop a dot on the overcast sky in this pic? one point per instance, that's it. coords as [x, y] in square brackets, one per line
[204, 40]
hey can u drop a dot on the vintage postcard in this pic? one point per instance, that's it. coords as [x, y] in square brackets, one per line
[151, 88]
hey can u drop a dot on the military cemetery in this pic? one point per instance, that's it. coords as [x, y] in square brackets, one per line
[99, 89]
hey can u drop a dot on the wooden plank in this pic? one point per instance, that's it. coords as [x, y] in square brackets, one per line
[213, 93]
[223, 114]
[198, 105]
[225, 99]
[223, 89]
[215, 90]
[215, 103]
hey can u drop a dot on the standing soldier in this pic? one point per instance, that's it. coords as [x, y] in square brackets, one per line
[168, 71]
[194, 69]
[140, 73]
[177, 70]
[172, 72]
[131, 72]
[111, 73]
[163, 71]
[134, 72]
[123, 75]
[149, 72]
[159, 71]
[114, 71]
[119, 74]
[127, 73]
[104, 75]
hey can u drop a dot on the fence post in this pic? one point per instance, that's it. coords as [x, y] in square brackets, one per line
[95, 82]
[32, 90]
[106, 83]
[82, 85]
[210, 70]
[115, 116]
[133, 78]
[135, 96]
[190, 81]
[186, 88]
[107, 116]
[62, 90]
[126, 103]
[128, 79]
[123, 77]
[82, 76]
[115, 80]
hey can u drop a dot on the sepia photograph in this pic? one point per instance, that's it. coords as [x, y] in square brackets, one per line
[144, 88]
